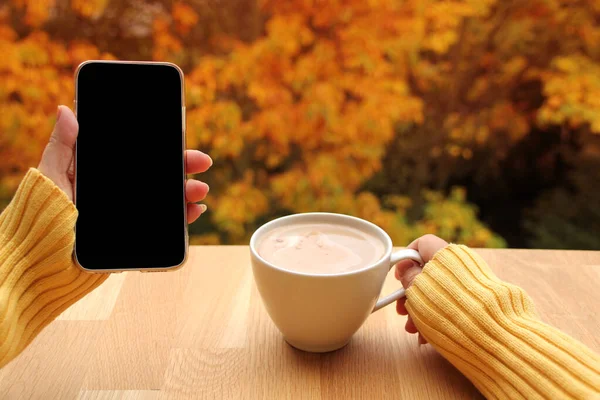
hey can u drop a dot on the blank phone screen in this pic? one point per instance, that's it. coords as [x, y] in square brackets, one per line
[130, 172]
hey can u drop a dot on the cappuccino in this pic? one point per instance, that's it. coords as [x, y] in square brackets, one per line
[320, 248]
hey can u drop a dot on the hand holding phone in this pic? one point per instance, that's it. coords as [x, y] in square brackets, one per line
[130, 167]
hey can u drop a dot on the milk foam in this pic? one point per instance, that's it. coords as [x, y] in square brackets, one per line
[320, 248]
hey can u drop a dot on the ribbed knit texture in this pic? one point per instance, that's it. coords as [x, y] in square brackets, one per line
[490, 331]
[38, 279]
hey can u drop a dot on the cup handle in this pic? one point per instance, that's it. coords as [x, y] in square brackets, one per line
[405, 254]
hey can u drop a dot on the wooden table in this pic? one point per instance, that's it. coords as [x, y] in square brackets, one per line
[202, 332]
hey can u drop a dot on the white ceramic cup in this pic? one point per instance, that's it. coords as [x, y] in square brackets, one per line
[320, 313]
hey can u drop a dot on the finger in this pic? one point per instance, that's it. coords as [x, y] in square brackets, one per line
[197, 161]
[408, 275]
[401, 306]
[194, 211]
[427, 246]
[58, 153]
[404, 266]
[410, 326]
[195, 190]
[422, 339]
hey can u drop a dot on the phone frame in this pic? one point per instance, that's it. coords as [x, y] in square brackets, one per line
[184, 143]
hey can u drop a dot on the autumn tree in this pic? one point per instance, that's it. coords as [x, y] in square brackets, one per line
[301, 118]
[43, 41]
[375, 109]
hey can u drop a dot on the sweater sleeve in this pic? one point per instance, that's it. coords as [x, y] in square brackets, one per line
[38, 279]
[490, 331]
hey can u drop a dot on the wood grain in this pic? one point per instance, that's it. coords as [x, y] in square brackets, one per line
[202, 333]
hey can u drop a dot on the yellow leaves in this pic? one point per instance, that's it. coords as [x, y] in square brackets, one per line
[239, 205]
[312, 103]
[36, 74]
[107, 56]
[20, 135]
[7, 33]
[59, 55]
[268, 93]
[316, 65]
[216, 126]
[479, 88]
[318, 181]
[32, 51]
[566, 64]
[323, 100]
[447, 14]
[442, 19]
[512, 68]
[476, 129]
[288, 34]
[184, 16]
[440, 42]
[10, 123]
[81, 51]
[481, 7]
[397, 87]
[323, 123]
[454, 219]
[10, 61]
[92, 9]
[36, 11]
[201, 82]
[166, 45]
[572, 91]
[554, 101]
[274, 125]
[454, 150]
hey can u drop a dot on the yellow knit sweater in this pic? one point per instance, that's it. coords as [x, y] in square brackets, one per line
[487, 328]
[490, 331]
[38, 279]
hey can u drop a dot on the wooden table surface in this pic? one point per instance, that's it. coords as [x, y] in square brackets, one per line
[202, 332]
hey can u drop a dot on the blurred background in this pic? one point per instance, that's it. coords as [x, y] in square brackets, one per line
[476, 120]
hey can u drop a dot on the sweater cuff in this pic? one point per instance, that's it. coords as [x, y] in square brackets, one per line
[38, 279]
[490, 331]
[38, 208]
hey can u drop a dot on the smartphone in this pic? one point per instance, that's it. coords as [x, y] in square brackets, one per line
[130, 167]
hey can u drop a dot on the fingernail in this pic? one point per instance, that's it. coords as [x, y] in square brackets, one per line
[209, 157]
[203, 208]
[58, 112]
[421, 340]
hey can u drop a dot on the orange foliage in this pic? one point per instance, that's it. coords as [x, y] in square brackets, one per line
[300, 118]
[185, 17]
[89, 8]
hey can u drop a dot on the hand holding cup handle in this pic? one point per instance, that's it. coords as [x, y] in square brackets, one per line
[407, 271]
[400, 255]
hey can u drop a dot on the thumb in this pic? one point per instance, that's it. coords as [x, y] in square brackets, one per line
[427, 246]
[58, 154]
[407, 271]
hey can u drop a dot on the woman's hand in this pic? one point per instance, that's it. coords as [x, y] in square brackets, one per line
[407, 271]
[57, 163]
